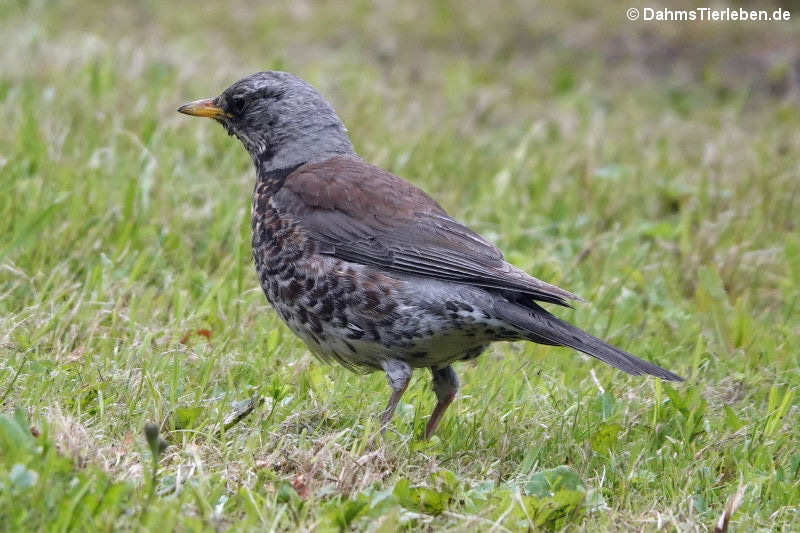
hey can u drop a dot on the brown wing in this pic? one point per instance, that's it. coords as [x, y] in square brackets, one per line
[363, 214]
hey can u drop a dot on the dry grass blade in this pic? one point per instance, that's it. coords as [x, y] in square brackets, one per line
[238, 414]
[730, 507]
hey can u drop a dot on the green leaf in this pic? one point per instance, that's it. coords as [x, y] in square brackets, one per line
[548, 482]
[445, 481]
[187, 417]
[731, 420]
[339, 515]
[277, 389]
[477, 495]
[777, 409]
[553, 511]
[421, 499]
[605, 437]
[380, 501]
[678, 402]
[567, 501]
[390, 522]
[554, 496]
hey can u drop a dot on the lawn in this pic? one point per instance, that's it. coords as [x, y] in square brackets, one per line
[652, 168]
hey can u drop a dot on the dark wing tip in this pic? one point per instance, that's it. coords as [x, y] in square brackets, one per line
[638, 367]
[630, 364]
[666, 375]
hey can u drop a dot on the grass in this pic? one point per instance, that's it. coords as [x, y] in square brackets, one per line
[653, 169]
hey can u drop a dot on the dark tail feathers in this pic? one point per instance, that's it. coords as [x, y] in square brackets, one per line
[544, 328]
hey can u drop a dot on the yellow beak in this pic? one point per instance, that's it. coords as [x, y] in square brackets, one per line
[203, 108]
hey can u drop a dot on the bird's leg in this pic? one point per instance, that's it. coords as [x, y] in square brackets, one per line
[445, 385]
[398, 373]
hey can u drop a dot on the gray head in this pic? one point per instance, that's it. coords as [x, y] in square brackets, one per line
[280, 119]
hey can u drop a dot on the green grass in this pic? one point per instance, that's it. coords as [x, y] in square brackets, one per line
[652, 169]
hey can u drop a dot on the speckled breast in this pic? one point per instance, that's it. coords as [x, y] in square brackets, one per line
[356, 315]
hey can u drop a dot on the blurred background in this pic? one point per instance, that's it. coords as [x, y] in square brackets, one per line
[575, 115]
[415, 78]
[651, 167]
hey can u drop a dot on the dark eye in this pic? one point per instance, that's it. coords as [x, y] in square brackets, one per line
[236, 105]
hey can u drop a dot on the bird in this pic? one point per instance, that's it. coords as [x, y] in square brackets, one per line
[366, 268]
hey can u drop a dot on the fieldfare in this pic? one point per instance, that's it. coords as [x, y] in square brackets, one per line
[366, 268]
